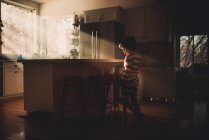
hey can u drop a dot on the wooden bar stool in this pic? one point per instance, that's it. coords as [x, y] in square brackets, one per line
[117, 98]
[72, 97]
[95, 97]
[110, 97]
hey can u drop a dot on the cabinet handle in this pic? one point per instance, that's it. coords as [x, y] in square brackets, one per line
[15, 71]
[15, 65]
[99, 16]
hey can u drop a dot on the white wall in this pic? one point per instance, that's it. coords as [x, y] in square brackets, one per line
[65, 7]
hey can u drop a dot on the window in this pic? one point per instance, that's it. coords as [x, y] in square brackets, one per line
[193, 50]
[58, 37]
[19, 30]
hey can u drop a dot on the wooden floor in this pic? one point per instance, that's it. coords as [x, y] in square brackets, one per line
[163, 122]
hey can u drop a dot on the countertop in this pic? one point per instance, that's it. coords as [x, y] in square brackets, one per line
[69, 60]
[143, 66]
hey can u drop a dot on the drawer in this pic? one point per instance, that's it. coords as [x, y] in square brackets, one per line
[12, 66]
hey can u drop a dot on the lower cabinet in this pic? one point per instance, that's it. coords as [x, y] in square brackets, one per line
[12, 78]
[157, 82]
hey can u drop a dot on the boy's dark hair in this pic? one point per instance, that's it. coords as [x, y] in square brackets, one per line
[129, 43]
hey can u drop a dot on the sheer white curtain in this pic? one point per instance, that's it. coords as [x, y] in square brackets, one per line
[18, 33]
[56, 36]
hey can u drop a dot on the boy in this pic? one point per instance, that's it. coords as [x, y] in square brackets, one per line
[131, 85]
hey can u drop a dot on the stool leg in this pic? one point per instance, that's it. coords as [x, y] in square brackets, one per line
[116, 95]
[124, 110]
[106, 94]
[124, 114]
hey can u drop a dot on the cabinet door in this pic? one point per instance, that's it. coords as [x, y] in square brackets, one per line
[110, 14]
[148, 24]
[92, 16]
[157, 82]
[104, 14]
[156, 24]
[134, 25]
[13, 79]
[12, 83]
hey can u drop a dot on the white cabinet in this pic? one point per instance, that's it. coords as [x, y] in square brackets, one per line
[12, 78]
[104, 14]
[147, 24]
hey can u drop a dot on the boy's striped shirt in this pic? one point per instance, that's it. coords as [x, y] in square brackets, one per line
[131, 73]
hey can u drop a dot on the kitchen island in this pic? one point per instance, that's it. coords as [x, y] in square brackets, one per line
[43, 81]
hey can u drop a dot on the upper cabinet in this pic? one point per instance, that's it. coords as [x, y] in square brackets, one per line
[104, 14]
[147, 24]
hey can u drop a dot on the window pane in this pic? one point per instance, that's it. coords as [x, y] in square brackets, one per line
[200, 49]
[18, 31]
[186, 49]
